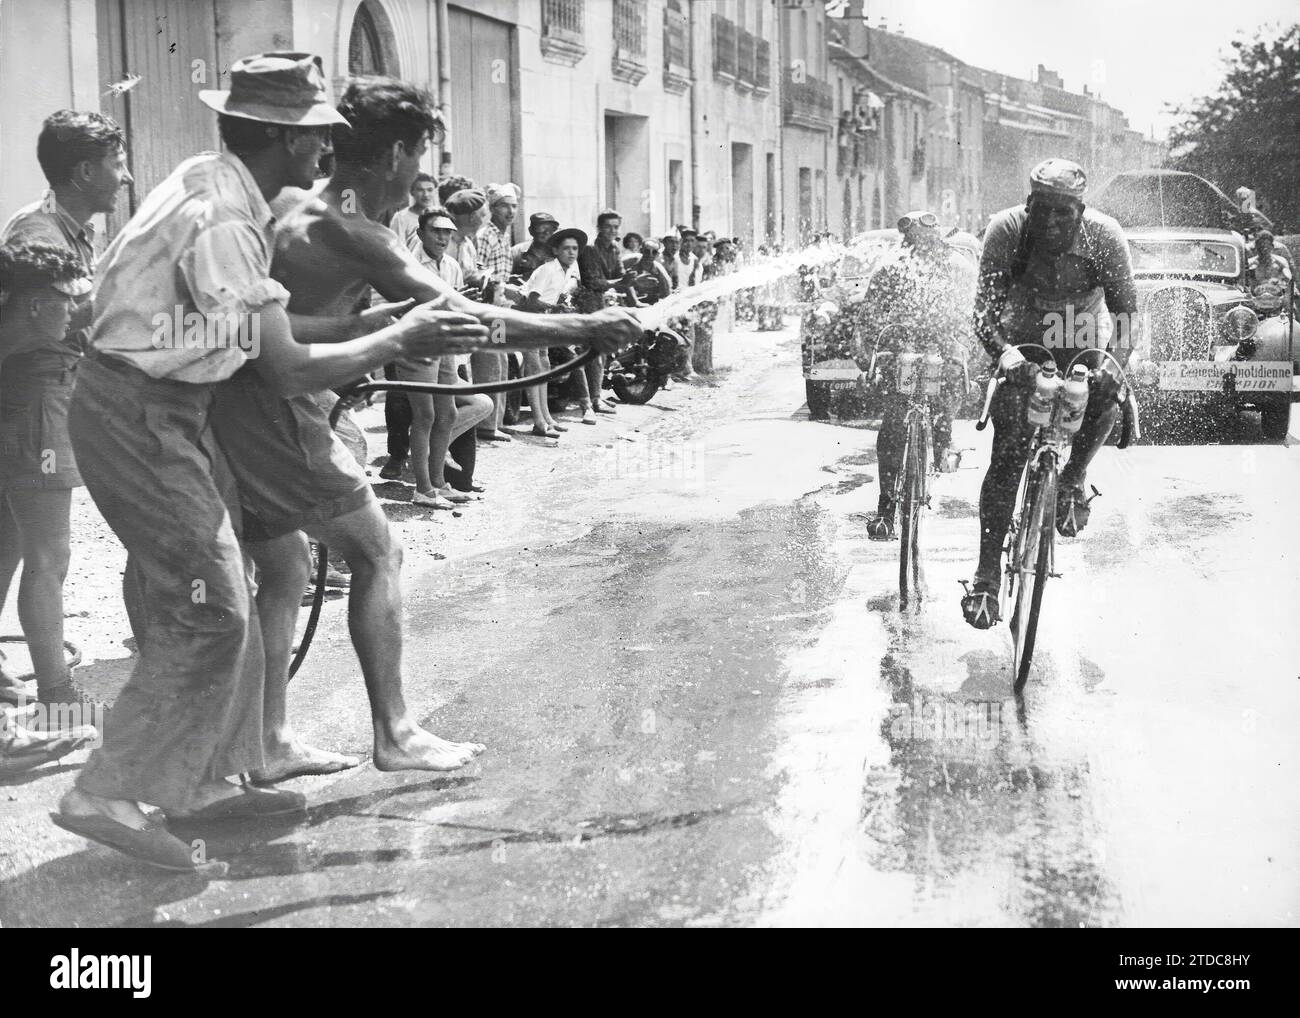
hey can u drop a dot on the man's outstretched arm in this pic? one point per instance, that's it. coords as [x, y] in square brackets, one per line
[396, 274]
[293, 367]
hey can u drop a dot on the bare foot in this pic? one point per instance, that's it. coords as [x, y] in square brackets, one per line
[409, 747]
[297, 759]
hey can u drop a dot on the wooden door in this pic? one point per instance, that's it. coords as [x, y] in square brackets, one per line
[482, 97]
[172, 45]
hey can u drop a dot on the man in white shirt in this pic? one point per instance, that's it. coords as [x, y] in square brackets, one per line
[434, 231]
[552, 280]
[685, 263]
[406, 222]
[200, 245]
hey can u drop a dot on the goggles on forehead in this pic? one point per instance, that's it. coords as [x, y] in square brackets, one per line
[924, 219]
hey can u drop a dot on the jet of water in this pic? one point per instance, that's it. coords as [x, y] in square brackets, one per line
[757, 272]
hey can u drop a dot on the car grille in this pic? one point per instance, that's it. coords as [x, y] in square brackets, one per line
[1180, 324]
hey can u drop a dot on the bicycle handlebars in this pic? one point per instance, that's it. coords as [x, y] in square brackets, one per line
[1130, 422]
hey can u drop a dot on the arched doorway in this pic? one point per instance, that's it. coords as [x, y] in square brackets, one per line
[372, 46]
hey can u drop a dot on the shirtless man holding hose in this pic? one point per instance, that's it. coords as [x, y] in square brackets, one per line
[329, 250]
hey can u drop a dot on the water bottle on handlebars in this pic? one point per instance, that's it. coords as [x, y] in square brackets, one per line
[1074, 399]
[908, 364]
[933, 374]
[1042, 401]
[920, 374]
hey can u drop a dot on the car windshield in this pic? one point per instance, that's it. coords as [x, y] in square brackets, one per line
[1190, 256]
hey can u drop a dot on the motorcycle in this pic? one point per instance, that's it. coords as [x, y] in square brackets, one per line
[634, 374]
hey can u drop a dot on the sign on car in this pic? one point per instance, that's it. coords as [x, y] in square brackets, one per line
[1209, 376]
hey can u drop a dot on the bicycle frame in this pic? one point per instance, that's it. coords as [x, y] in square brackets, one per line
[1031, 556]
[912, 482]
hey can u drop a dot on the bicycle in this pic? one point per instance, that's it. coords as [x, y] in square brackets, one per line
[1030, 546]
[919, 378]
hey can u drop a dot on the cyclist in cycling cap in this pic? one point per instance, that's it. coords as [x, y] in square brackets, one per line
[928, 290]
[1046, 264]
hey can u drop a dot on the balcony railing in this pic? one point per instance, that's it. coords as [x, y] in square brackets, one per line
[628, 62]
[724, 48]
[677, 69]
[762, 66]
[808, 103]
[744, 59]
[562, 39]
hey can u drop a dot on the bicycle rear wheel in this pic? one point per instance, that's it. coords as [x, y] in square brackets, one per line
[911, 506]
[1033, 564]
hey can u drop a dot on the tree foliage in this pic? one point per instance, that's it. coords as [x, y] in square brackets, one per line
[1248, 133]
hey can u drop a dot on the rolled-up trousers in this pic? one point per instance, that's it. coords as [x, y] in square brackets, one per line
[191, 712]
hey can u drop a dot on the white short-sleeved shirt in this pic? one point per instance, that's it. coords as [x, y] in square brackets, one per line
[445, 268]
[200, 244]
[551, 280]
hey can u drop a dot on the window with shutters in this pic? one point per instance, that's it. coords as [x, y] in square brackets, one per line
[677, 72]
[724, 48]
[628, 62]
[562, 39]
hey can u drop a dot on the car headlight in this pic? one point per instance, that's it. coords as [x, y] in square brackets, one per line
[1239, 325]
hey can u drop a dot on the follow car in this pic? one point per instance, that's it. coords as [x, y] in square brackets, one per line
[1208, 344]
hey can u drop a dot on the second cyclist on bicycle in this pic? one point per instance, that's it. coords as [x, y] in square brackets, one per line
[919, 303]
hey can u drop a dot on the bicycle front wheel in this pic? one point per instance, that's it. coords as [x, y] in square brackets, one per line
[1033, 564]
[916, 459]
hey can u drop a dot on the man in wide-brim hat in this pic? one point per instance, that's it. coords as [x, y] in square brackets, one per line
[196, 256]
[276, 88]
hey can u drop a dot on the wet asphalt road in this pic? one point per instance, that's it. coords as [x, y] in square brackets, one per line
[704, 707]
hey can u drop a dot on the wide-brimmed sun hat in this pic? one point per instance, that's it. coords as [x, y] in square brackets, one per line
[277, 88]
[572, 233]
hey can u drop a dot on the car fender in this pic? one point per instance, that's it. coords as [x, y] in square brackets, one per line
[1276, 339]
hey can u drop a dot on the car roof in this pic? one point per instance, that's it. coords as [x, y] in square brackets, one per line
[1165, 199]
[1219, 236]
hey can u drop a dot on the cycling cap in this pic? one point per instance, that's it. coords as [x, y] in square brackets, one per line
[1059, 176]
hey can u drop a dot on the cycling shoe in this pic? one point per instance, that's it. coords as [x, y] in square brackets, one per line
[1073, 510]
[980, 607]
[881, 527]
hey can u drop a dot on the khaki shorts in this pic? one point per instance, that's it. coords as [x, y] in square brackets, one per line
[292, 470]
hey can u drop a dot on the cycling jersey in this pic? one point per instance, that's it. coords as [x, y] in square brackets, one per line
[1095, 275]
